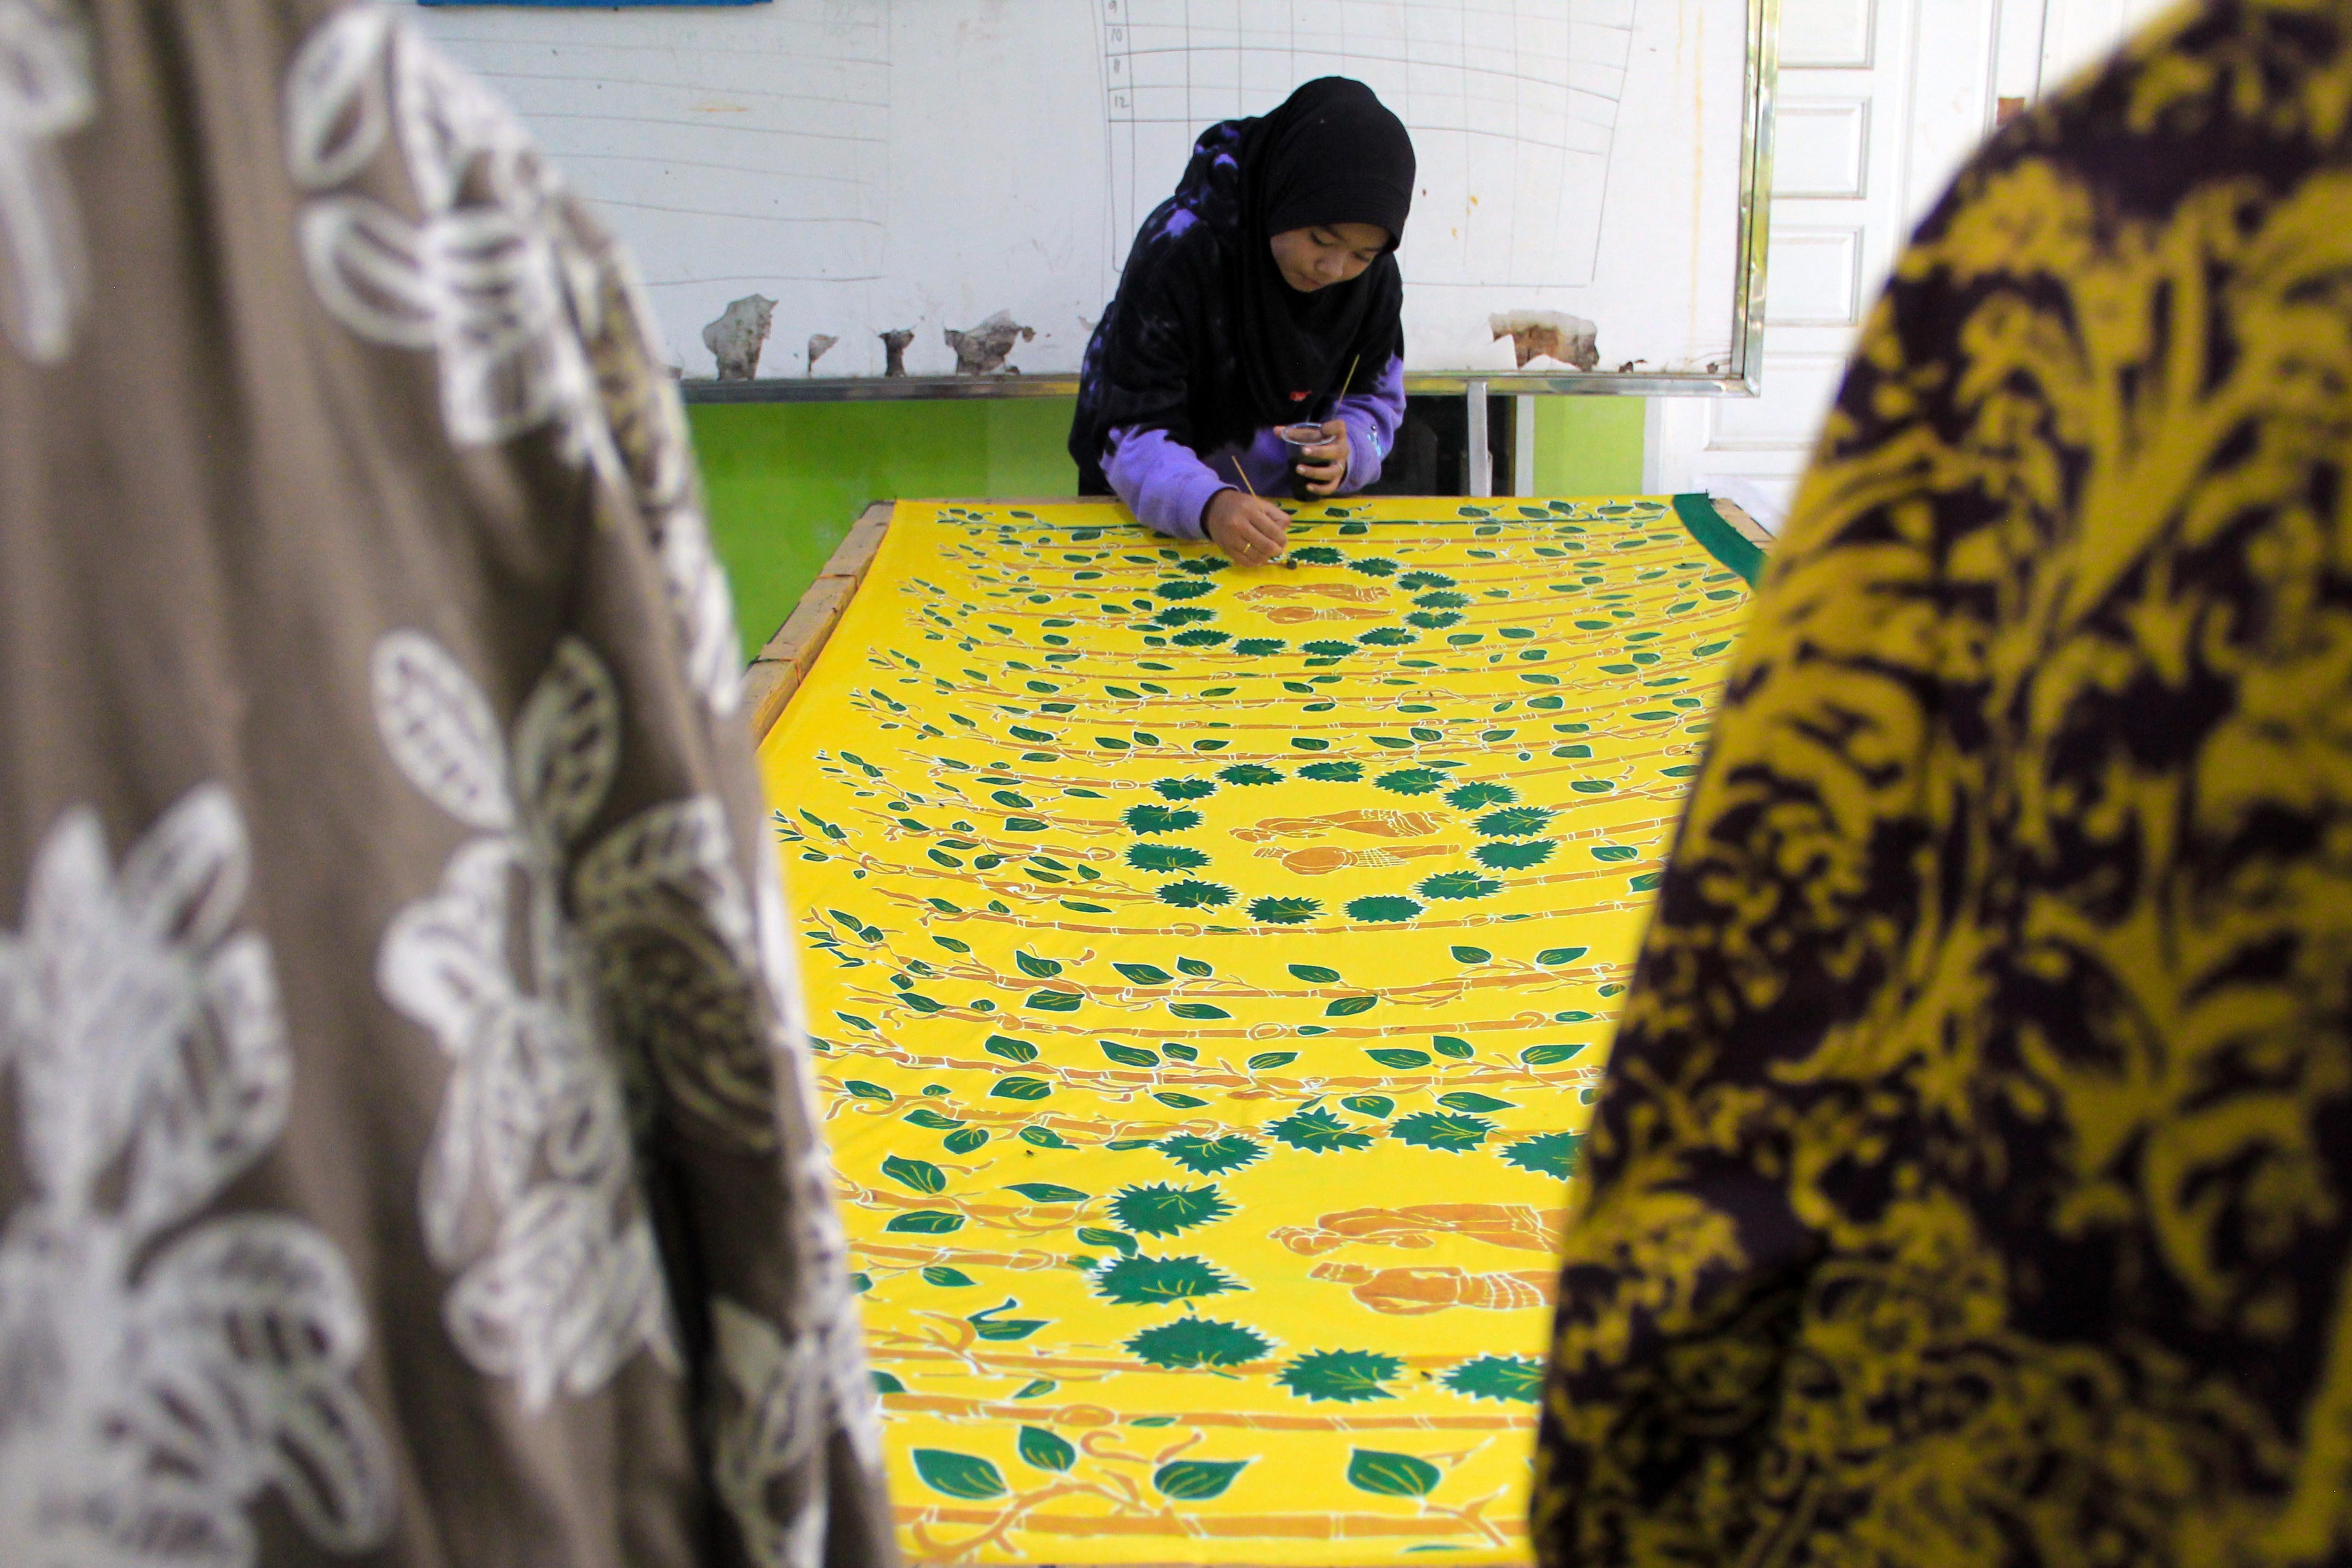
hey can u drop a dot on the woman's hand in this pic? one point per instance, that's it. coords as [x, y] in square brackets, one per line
[1250, 531]
[1324, 466]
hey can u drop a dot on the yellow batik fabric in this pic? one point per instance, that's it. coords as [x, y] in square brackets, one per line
[1211, 970]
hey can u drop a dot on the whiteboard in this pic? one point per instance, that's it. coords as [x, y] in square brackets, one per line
[922, 165]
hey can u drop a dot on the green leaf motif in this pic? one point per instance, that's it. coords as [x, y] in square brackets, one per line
[1144, 973]
[1647, 881]
[1284, 911]
[1401, 1057]
[1196, 968]
[1614, 852]
[1199, 1342]
[1376, 1106]
[1129, 1056]
[1348, 1006]
[1034, 1387]
[1181, 1101]
[1021, 1088]
[1265, 1061]
[1458, 885]
[1165, 857]
[1546, 1154]
[1197, 1011]
[1182, 589]
[1146, 819]
[1392, 1475]
[1449, 1131]
[920, 1175]
[1387, 637]
[990, 1327]
[1258, 648]
[1472, 796]
[1044, 1450]
[1094, 1235]
[1140, 1281]
[1410, 780]
[1500, 856]
[1382, 908]
[1315, 973]
[1550, 1055]
[1499, 1377]
[1465, 1100]
[1316, 555]
[940, 1275]
[925, 1222]
[1195, 1481]
[1472, 955]
[1317, 1133]
[1552, 956]
[1332, 773]
[885, 1383]
[1342, 1377]
[1008, 1048]
[1185, 789]
[1416, 580]
[1159, 1209]
[924, 1116]
[1045, 1137]
[864, 1090]
[1196, 895]
[1047, 1193]
[1211, 1156]
[959, 1475]
[1515, 822]
[1056, 1001]
[1448, 1046]
[1250, 774]
[1037, 968]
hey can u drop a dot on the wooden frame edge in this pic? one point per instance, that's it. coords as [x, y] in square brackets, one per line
[1747, 527]
[778, 669]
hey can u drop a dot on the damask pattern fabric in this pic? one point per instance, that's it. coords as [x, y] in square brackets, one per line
[409, 1152]
[1212, 967]
[1973, 1183]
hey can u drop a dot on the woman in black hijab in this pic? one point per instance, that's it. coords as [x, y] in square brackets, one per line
[1263, 294]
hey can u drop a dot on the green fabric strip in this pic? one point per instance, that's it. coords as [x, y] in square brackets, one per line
[1722, 540]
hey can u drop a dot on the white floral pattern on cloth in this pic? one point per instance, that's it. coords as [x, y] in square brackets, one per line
[154, 1385]
[530, 1186]
[534, 314]
[46, 92]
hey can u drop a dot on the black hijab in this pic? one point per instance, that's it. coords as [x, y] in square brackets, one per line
[1204, 338]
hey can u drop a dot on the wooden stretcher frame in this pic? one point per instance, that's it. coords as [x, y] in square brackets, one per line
[776, 671]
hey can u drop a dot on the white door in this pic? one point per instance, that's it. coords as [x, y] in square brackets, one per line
[1879, 101]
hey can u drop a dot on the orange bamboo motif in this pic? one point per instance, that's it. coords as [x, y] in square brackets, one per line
[1294, 615]
[1376, 823]
[1499, 1225]
[1321, 860]
[1352, 593]
[1409, 1292]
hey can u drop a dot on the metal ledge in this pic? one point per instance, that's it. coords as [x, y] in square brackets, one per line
[1499, 384]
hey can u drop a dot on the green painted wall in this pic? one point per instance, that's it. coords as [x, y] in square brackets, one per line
[1589, 446]
[785, 480]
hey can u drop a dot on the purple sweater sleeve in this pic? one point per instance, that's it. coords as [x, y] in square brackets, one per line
[1371, 416]
[1160, 479]
[1169, 485]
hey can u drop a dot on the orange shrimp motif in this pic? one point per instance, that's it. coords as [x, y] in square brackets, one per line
[1320, 859]
[1514, 1226]
[1375, 822]
[1348, 593]
[1292, 614]
[1410, 1292]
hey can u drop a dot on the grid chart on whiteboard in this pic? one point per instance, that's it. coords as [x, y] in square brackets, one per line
[1512, 104]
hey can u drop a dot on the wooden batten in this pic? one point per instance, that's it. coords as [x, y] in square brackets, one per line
[779, 668]
[1747, 527]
